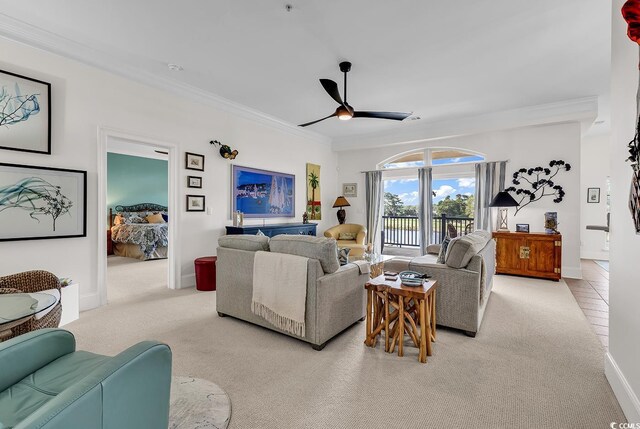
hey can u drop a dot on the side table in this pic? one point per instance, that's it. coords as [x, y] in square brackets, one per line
[399, 309]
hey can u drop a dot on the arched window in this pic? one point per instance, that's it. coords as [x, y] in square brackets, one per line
[431, 157]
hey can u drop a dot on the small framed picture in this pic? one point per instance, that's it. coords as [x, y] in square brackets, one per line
[350, 189]
[195, 203]
[593, 195]
[194, 182]
[194, 161]
[522, 227]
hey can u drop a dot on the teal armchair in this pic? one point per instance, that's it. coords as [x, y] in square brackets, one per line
[45, 383]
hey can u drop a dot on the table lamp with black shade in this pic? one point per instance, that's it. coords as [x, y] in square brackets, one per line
[341, 201]
[501, 200]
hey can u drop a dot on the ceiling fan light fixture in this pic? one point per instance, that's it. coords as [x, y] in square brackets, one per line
[343, 113]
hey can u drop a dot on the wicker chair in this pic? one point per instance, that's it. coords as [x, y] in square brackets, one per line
[30, 282]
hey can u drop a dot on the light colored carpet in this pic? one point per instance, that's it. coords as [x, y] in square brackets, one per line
[535, 363]
[128, 277]
[603, 264]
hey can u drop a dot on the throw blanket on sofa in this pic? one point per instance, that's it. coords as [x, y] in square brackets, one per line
[280, 290]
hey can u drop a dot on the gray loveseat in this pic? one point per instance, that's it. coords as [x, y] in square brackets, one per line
[335, 294]
[464, 280]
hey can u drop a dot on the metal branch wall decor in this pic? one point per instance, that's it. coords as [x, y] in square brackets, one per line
[631, 14]
[535, 183]
[225, 150]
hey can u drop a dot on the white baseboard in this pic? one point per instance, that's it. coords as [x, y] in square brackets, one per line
[89, 301]
[188, 281]
[602, 255]
[572, 272]
[624, 393]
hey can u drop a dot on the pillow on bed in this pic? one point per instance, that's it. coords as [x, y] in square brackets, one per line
[155, 218]
[118, 220]
[133, 217]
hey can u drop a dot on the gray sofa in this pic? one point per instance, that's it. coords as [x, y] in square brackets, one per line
[464, 280]
[335, 295]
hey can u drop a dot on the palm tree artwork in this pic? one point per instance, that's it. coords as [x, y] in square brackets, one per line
[314, 209]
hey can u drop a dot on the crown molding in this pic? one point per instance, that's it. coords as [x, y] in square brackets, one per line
[577, 110]
[22, 32]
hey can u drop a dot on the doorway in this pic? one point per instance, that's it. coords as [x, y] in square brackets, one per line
[147, 262]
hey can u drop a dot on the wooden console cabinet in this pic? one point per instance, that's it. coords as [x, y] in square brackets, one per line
[532, 255]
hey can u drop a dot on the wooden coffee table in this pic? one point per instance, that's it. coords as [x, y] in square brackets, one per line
[396, 310]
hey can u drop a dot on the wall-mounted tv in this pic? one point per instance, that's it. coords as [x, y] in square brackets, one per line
[263, 193]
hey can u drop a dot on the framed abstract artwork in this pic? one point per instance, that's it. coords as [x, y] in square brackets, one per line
[262, 193]
[194, 161]
[42, 202]
[25, 113]
[195, 203]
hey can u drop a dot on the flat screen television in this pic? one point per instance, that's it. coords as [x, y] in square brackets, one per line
[262, 193]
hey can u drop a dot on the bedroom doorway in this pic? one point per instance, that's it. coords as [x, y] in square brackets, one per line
[137, 179]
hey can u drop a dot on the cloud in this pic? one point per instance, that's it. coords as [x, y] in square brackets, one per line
[444, 190]
[467, 182]
[404, 164]
[409, 198]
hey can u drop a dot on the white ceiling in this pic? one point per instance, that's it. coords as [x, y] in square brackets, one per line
[437, 59]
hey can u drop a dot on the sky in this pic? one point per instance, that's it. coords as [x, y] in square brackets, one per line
[407, 189]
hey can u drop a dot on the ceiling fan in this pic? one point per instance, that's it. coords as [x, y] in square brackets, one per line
[345, 111]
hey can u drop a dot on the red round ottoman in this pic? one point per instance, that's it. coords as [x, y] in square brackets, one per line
[206, 273]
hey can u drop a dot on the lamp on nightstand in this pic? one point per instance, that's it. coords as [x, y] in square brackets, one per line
[341, 202]
[501, 200]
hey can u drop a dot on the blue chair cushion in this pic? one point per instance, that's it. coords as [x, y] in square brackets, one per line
[33, 391]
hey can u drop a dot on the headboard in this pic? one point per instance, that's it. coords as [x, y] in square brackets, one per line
[149, 207]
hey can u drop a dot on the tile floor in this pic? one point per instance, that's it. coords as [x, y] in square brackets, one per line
[592, 295]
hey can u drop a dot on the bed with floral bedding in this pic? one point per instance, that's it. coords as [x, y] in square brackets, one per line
[140, 231]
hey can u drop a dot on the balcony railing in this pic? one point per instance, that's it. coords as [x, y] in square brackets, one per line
[404, 230]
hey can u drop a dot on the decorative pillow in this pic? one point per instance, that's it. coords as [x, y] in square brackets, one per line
[260, 233]
[165, 216]
[118, 220]
[155, 218]
[347, 236]
[134, 217]
[443, 250]
[434, 249]
[343, 255]
[462, 249]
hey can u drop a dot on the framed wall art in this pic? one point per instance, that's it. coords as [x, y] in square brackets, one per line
[314, 204]
[262, 193]
[25, 113]
[350, 189]
[194, 182]
[42, 202]
[593, 195]
[194, 161]
[195, 203]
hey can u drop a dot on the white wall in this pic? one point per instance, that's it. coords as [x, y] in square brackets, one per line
[85, 98]
[594, 170]
[621, 365]
[523, 147]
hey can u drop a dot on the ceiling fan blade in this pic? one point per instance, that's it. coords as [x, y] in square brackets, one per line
[332, 89]
[313, 122]
[396, 116]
